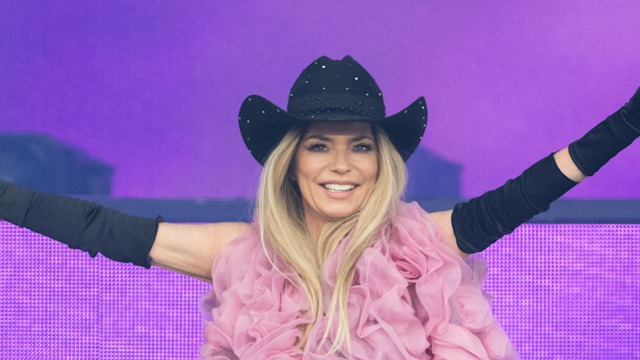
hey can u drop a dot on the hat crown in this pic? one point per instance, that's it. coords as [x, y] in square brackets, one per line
[335, 90]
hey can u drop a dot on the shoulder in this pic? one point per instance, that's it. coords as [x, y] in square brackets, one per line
[191, 248]
[217, 233]
[440, 220]
[227, 231]
[229, 235]
[238, 242]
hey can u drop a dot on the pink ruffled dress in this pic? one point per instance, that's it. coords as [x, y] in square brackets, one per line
[412, 298]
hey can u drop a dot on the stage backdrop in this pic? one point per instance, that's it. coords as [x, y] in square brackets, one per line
[562, 291]
[153, 88]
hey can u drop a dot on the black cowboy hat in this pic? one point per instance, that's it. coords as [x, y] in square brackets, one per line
[330, 90]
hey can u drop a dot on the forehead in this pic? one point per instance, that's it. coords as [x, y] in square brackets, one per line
[347, 128]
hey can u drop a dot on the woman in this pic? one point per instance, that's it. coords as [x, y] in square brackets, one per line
[335, 265]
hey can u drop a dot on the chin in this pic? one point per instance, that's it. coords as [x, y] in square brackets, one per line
[339, 214]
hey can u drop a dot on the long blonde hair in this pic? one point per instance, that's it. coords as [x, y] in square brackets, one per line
[283, 228]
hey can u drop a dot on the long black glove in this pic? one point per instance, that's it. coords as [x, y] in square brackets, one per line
[481, 221]
[80, 224]
[608, 138]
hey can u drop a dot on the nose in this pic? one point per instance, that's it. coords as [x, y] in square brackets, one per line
[340, 163]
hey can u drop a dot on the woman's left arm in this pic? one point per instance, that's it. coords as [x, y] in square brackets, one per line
[476, 224]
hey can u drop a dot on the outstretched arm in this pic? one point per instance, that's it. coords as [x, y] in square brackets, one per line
[80, 224]
[478, 223]
[567, 167]
[184, 248]
[190, 249]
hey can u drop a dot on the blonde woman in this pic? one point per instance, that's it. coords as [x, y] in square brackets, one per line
[335, 265]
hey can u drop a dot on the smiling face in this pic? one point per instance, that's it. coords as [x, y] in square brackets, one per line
[335, 167]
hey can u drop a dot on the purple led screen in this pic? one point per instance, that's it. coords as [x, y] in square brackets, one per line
[561, 291]
[153, 88]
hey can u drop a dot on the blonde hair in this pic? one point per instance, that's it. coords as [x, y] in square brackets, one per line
[283, 229]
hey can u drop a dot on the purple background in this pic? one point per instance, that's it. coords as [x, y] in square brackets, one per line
[153, 87]
[562, 291]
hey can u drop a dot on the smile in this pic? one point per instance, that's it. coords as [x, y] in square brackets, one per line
[338, 187]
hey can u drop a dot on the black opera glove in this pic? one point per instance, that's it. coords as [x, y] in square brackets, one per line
[608, 138]
[481, 221]
[80, 224]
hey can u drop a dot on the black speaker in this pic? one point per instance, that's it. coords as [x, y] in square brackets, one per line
[39, 162]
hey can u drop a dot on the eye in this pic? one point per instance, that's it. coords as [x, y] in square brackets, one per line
[363, 147]
[317, 147]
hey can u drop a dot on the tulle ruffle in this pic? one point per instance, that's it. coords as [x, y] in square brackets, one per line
[412, 298]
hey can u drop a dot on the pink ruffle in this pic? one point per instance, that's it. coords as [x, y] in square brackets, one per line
[412, 298]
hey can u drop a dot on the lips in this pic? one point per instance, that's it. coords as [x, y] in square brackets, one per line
[339, 187]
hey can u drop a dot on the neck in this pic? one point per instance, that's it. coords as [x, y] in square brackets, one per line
[314, 227]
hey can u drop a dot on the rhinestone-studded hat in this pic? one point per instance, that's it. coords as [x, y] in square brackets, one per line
[330, 90]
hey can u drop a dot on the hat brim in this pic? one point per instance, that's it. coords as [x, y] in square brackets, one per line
[263, 124]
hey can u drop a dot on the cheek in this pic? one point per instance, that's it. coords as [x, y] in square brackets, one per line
[299, 175]
[306, 168]
[372, 171]
[302, 179]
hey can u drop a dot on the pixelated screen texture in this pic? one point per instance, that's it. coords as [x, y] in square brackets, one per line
[561, 291]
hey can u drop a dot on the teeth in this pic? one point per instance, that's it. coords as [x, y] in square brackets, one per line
[336, 187]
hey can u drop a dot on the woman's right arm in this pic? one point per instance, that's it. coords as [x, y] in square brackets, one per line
[184, 248]
[190, 249]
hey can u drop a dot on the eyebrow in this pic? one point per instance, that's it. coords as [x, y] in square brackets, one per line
[327, 138]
